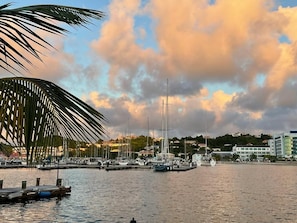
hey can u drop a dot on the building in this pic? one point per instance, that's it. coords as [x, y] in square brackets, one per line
[285, 144]
[246, 151]
[270, 142]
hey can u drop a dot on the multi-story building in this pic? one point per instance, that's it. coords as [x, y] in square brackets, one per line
[286, 144]
[246, 151]
[270, 143]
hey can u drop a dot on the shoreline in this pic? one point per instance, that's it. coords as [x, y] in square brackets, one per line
[72, 166]
[281, 163]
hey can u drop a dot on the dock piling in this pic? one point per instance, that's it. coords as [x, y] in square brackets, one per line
[59, 182]
[37, 181]
[24, 184]
[1, 184]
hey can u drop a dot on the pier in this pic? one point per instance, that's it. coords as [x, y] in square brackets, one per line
[183, 168]
[126, 167]
[24, 193]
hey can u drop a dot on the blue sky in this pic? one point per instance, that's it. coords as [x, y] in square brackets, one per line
[231, 65]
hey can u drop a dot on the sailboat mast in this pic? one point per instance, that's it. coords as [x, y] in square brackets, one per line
[206, 145]
[185, 149]
[166, 144]
[148, 133]
[162, 130]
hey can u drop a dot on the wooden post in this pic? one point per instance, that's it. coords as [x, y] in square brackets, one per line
[24, 184]
[1, 184]
[59, 182]
[37, 181]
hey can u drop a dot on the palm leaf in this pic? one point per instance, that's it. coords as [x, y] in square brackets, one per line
[18, 25]
[32, 111]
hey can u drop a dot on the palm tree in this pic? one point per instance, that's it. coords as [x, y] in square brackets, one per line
[17, 26]
[33, 111]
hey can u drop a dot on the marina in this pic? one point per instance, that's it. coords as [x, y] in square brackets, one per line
[73, 146]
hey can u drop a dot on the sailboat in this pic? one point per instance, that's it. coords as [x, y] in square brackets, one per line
[124, 159]
[165, 157]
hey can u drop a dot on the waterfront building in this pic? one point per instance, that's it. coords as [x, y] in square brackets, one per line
[270, 142]
[245, 151]
[285, 144]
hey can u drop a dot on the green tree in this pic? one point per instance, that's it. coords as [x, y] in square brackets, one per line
[138, 143]
[33, 111]
[253, 157]
[235, 157]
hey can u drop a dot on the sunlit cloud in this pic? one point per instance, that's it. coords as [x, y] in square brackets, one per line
[211, 54]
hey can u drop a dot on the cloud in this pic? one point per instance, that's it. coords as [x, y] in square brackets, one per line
[210, 42]
[222, 42]
[117, 45]
[193, 44]
[285, 68]
[197, 44]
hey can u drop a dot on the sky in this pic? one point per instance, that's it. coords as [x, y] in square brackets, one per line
[231, 65]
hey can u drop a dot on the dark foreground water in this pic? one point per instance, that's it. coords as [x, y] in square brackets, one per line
[225, 193]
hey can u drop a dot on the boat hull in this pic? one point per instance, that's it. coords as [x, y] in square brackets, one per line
[211, 163]
[161, 168]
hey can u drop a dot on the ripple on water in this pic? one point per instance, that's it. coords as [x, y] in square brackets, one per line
[225, 193]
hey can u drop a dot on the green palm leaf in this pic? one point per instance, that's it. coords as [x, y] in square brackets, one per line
[32, 111]
[17, 27]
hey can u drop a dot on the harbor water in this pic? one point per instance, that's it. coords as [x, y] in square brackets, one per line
[224, 193]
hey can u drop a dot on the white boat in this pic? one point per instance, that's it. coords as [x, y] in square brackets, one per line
[213, 162]
[123, 162]
[94, 161]
[203, 160]
[140, 162]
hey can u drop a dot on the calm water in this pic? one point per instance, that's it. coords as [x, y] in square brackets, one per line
[225, 193]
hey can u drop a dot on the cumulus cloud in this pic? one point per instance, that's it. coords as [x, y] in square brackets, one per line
[198, 43]
[193, 44]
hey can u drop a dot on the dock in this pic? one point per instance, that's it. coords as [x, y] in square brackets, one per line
[183, 168]
[67, 166]
[126, 167]
[24, 193]
[176, 168]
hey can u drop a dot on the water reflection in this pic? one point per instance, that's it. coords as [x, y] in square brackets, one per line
[225, 193]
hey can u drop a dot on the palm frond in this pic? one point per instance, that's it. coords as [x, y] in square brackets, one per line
[19, 26]
[32, 111]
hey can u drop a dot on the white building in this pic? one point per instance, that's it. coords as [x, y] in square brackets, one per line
[246, 151]
[272, 146]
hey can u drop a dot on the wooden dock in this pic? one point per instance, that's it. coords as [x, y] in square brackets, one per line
[24, 193]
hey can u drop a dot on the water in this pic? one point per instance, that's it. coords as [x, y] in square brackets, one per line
[225, 193]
